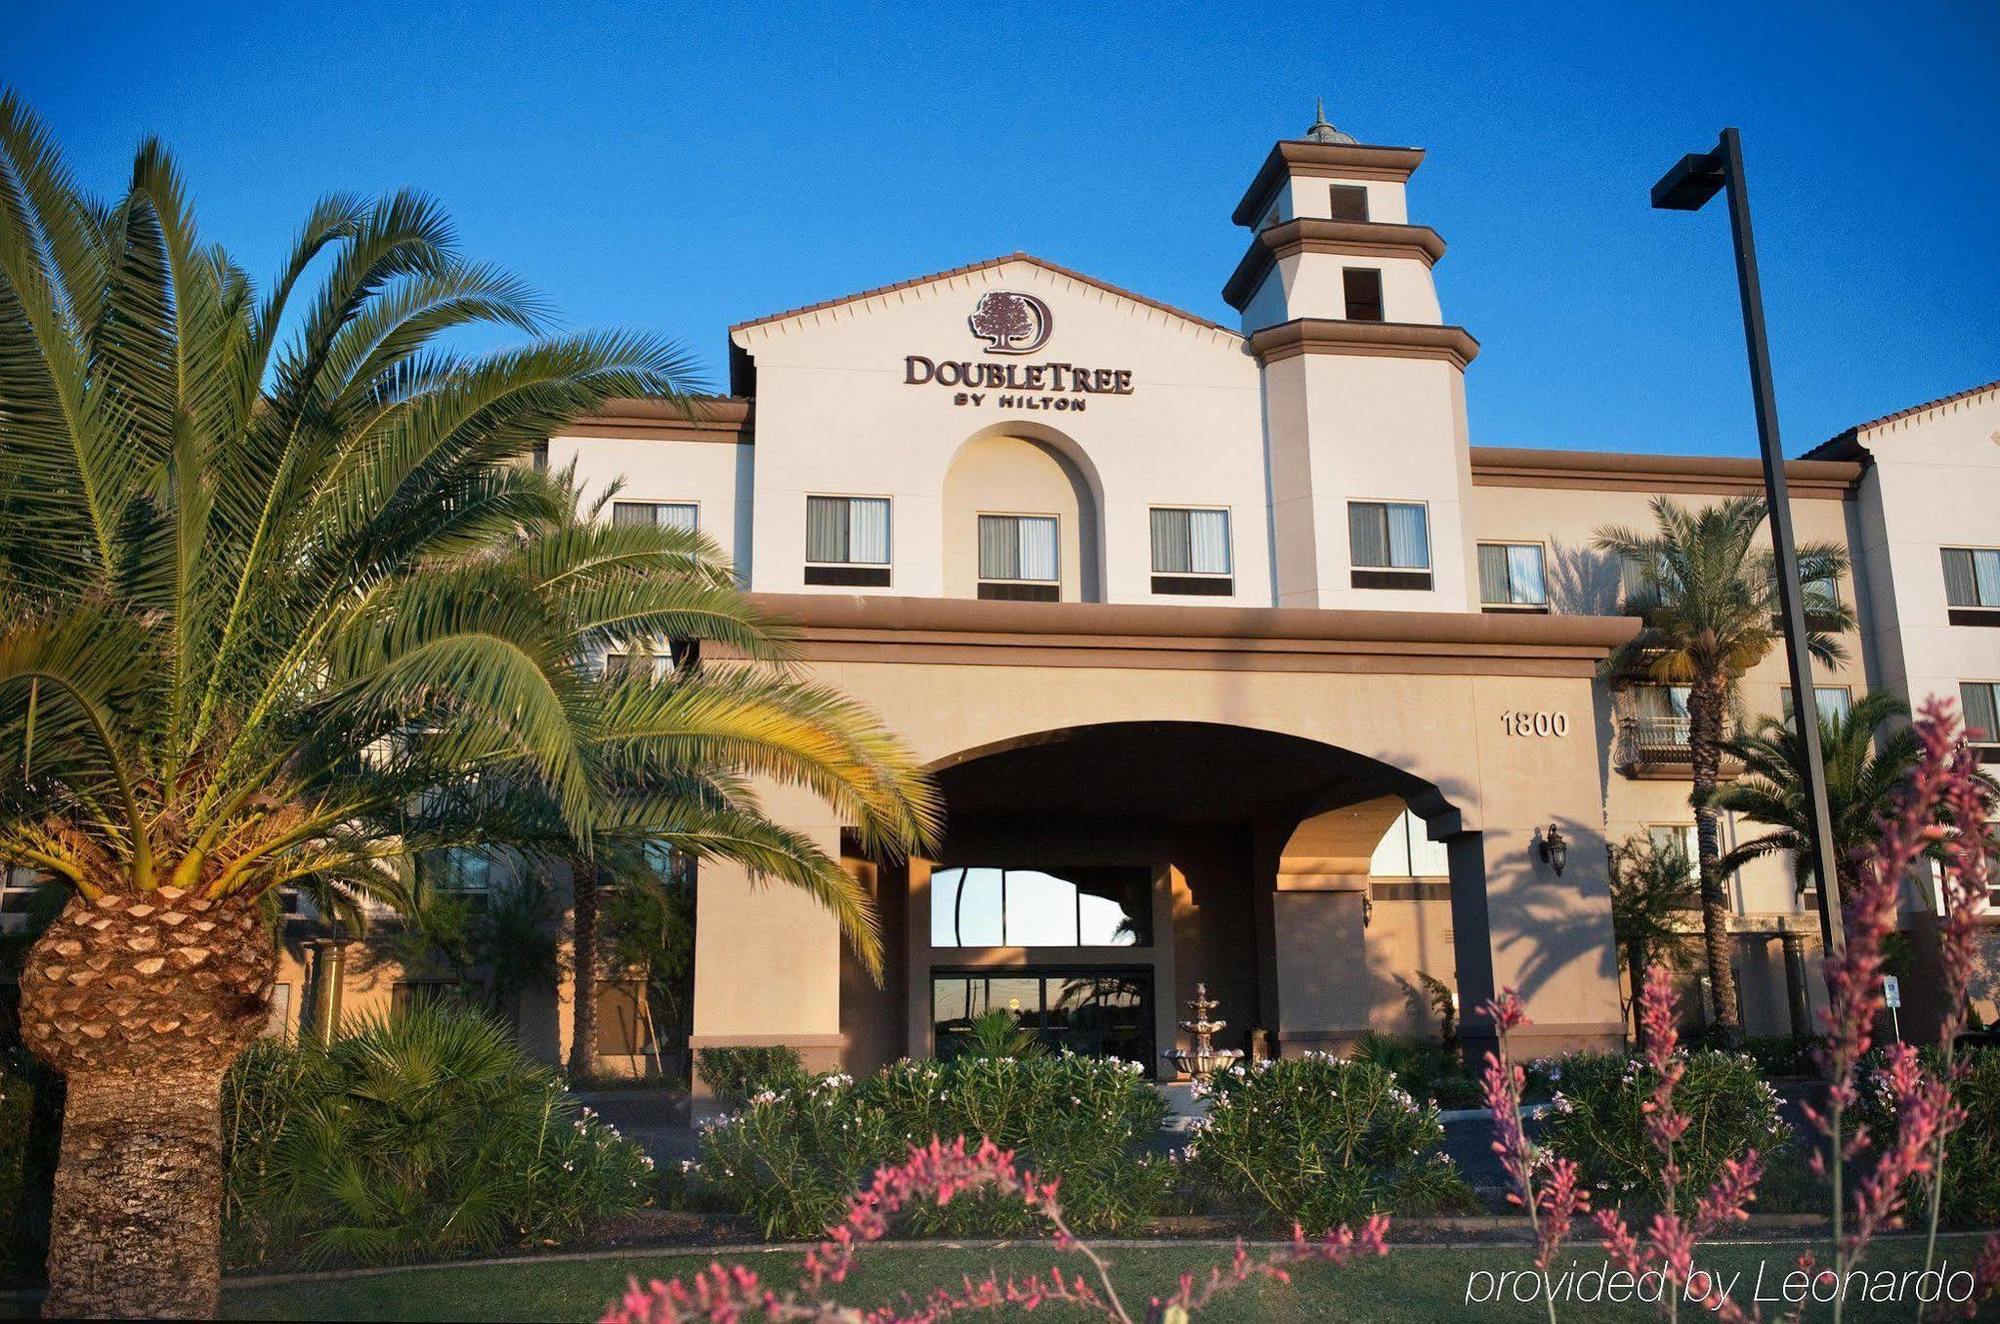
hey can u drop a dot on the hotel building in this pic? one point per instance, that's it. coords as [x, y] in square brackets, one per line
[1236, 659]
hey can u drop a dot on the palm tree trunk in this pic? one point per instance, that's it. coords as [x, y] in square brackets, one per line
[1635, 963]
[1707, 698]
[142, 1002]
[583, 998]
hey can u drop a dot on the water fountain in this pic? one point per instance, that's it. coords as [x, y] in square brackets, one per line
[1204, 1059]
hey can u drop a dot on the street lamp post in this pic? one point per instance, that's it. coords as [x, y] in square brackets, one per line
[1686, 187]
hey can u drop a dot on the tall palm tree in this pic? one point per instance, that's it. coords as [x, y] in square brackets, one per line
[1708, 597]
[1861, 780]
[281, 607]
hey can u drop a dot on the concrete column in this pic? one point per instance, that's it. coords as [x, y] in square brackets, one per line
[1795, 982]
[767, 955]
[1471, 941]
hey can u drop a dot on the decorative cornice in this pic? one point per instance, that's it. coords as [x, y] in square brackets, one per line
[1313, 234]
[1607, 471]
[1400, 340]
[1322, 161]
[702, 418]
[974, 632]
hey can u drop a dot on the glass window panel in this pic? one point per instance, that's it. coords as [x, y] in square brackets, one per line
[1524, 575]
[1986, 576]
[1368, 533]
[868, 530]
[1663, 701]
[1493, 574]
[1208, 536]
[999, 547]
[1392, 853]
[1833, 701]
[1041, 910]
[1820, 594]
[1173, 542]
[826, 529]
[1037, 535]
[965, 908]
[1981, 702]
[682, 515]
[1022, 997]
[1428, 859]
[1409, 538]
[1960, 588]
[1677, 837]
[624, 513]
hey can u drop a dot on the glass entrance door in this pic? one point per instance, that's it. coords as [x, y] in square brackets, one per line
[1102, 1011]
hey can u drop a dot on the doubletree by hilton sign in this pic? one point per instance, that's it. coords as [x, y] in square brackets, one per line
[1015, 325]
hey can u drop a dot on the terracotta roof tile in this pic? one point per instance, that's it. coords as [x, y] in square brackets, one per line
[1843, 445]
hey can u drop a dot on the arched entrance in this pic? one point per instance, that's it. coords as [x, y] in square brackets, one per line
[1093, 875]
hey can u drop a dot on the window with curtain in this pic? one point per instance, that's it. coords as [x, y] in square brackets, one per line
[1191, 553]
[1972, 577]
[1389, 543]
[1677, 836]
[1980, 702]
[847, 530]
[666, 514]
[1018, 547]
[1663, 701]
[1829, 701]
[1510, 575]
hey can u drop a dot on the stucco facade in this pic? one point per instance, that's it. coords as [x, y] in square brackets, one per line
[1198, 614]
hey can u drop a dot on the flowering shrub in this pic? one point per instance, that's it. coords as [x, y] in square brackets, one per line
[1320, 1140]
[733, 1075]
[791, 1157]
[1971, 1193]
[421, 1136]
[945, 1173]
[1598, 1118]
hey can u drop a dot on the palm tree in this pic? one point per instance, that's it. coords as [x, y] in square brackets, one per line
[1861, 780]
[1653, 887]
[280, 607]
[1709, 600]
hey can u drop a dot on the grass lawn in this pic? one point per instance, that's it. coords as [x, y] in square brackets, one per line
[1414, 1283]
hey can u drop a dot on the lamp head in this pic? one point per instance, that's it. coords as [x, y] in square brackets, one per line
[1555, 849]
[1694, 179]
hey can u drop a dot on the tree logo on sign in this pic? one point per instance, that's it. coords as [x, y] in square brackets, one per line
[1010, 323]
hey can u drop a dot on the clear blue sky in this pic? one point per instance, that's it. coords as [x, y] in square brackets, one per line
[681, 167]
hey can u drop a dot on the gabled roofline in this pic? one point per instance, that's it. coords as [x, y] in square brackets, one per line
[1848, 445]
[1301, 156]
[989, 263]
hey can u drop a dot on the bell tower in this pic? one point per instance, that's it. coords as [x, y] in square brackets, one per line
[1363, 380]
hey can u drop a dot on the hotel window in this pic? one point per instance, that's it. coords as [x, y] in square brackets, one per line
[460, 870]
[1679, 837]
[666, 514]
[20, 888]
[1102, 1012]
[1017, 558]
[1191, 552]
[847, 541]
[1363, 288]
[1972, 585]
[619, 664]
[1407, 851]
[1349, 202]
[1980, 701]
[1829, 701]
[1091, 906]
[1510, 577]
[1389, 543]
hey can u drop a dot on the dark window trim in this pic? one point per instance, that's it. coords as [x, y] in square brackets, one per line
[1335, 192]
[849, 576]
[1987, 616]
[1362, 308]
[1019, 590]
[1412, 890]
[1196, 586]
[1403, 579]
[1514, 609]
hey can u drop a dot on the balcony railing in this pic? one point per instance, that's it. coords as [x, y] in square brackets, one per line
[1659, 747]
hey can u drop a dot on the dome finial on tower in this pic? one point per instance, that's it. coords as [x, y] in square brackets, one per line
[1321, 131]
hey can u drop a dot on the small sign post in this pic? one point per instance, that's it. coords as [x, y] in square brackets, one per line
[1892, 994]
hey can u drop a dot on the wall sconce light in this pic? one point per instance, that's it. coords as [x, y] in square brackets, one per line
[1555, 849]
[1367, 911]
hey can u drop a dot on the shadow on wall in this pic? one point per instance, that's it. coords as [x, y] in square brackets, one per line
[1543, 921]
[1583, 581]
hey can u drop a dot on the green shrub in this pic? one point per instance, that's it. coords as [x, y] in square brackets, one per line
[1597, 1119]
[1322, 1140]
[1972, 1159]
[1426, 1068]
[30, 1133]
[733, 1075]
[792, 1156]
[421, 1136]
[1774, 1054]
